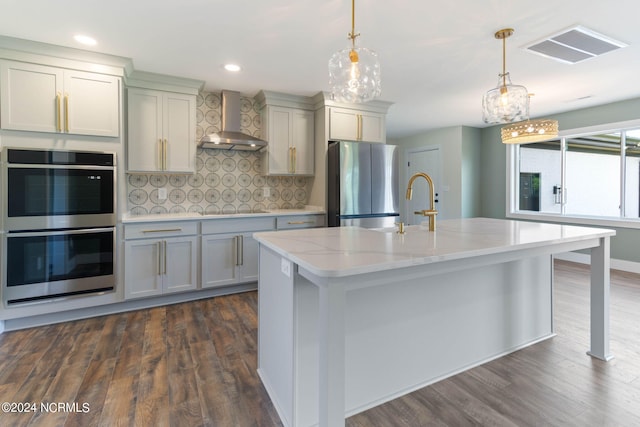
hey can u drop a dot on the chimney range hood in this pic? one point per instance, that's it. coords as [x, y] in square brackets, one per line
[230, 137]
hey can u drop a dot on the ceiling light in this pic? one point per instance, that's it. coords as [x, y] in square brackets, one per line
[354, 72]
[85, 40]
[529, 131]
[506, 102]
[232, 67]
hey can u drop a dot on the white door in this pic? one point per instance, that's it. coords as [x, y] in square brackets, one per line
[427, 161]
[91, 103]
[179, 132]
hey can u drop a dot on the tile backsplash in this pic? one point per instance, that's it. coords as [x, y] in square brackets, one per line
[225, 181]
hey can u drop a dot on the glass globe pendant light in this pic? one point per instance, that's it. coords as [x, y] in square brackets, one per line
[506, 102]
[354, 72]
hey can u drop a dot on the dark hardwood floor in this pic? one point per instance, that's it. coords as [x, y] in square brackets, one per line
[194, 364]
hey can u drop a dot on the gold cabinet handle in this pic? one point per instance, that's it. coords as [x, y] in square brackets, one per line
[164, 156]
[300, 222]
[295, 160]
[289, 165]
[166, 230]
[164, 252]
[66, 112]
[160, 154]
[59, 108]
[159, 248]
[240, 250]
[359, 127]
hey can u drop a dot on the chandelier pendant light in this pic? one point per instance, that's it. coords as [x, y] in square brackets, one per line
[354, 72]
[507, 102]
[529, 131]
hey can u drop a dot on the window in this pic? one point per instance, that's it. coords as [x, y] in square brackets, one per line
[589, 177]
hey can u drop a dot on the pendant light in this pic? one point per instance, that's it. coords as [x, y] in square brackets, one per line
[506, 102]
[354, 72]
[530, 131]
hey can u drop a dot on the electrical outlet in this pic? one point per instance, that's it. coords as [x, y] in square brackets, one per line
[162, 193]
[266, 192]
[285, 267]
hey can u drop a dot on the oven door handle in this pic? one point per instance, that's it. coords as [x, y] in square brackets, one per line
[58, 232]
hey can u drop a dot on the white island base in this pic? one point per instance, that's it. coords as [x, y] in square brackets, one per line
[351, 318]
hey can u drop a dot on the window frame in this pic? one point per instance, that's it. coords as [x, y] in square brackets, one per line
[513, 173]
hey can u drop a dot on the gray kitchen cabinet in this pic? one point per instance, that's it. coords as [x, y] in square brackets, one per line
[288, 125]
[161, 131]
[229, 252]
[160, 258]
[290, 222]
[354, 125]
[41, 98]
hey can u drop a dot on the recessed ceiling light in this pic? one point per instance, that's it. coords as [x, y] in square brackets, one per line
[86, 40]
[232, 67]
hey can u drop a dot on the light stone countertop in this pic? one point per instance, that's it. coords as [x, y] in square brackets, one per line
[345, 251]
[309, 210]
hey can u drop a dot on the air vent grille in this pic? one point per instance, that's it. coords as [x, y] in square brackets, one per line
[575, 45]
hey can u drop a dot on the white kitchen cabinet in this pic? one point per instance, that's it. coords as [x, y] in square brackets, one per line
[48, 99]
[160, 258]
[290, 133]
[354, 125]
[161, 131]
[229, 252]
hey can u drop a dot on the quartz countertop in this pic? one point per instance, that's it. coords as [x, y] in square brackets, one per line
[309, 210]
[345, 251]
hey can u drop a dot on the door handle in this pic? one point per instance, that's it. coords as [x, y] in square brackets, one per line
[164, 156]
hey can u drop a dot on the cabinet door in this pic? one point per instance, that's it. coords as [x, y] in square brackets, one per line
[303, 142]
[354, 125]
[219, 259]
[372, 127]
[279, 135]
[31, 97]
[179, 117]
[91, 103]
[343, 125]
[142, 276]
[250, 260]
[180, 261]
[144, 144]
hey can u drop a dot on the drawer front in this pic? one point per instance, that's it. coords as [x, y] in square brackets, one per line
[238, 225]
[151, 230]
[300, 221]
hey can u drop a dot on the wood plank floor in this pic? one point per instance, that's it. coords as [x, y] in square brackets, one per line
[194, 364]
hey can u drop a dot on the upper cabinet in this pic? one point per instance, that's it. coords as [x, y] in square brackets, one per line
[161, 131]
[43, 98]
[355, 125]
[288, 127]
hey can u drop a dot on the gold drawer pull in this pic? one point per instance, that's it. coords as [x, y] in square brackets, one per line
[300, 222]
[162, 231]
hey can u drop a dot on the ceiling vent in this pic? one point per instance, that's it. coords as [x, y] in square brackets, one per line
[575, 45]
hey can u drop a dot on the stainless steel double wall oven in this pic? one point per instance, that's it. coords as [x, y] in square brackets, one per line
[59, 217]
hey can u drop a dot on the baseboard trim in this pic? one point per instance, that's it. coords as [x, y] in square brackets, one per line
[616, 264]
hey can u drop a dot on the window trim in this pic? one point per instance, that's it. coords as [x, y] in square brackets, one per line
[513, 169]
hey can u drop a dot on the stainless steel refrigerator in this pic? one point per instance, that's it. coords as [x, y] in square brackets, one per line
[362, 184]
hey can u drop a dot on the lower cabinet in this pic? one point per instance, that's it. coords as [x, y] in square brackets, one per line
[160, 258]
[229, 252]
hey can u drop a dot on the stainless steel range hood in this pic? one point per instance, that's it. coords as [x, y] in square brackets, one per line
[230, 137]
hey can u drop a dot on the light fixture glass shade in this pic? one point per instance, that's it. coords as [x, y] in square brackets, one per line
[505, 103]
[530, 131]
[355, 77]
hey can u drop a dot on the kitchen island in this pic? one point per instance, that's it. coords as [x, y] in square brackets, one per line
[350, 318]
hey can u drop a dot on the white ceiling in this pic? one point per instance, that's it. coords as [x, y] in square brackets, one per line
[437, 58]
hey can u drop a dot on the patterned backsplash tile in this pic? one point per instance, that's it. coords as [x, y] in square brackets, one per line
[225, 181]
